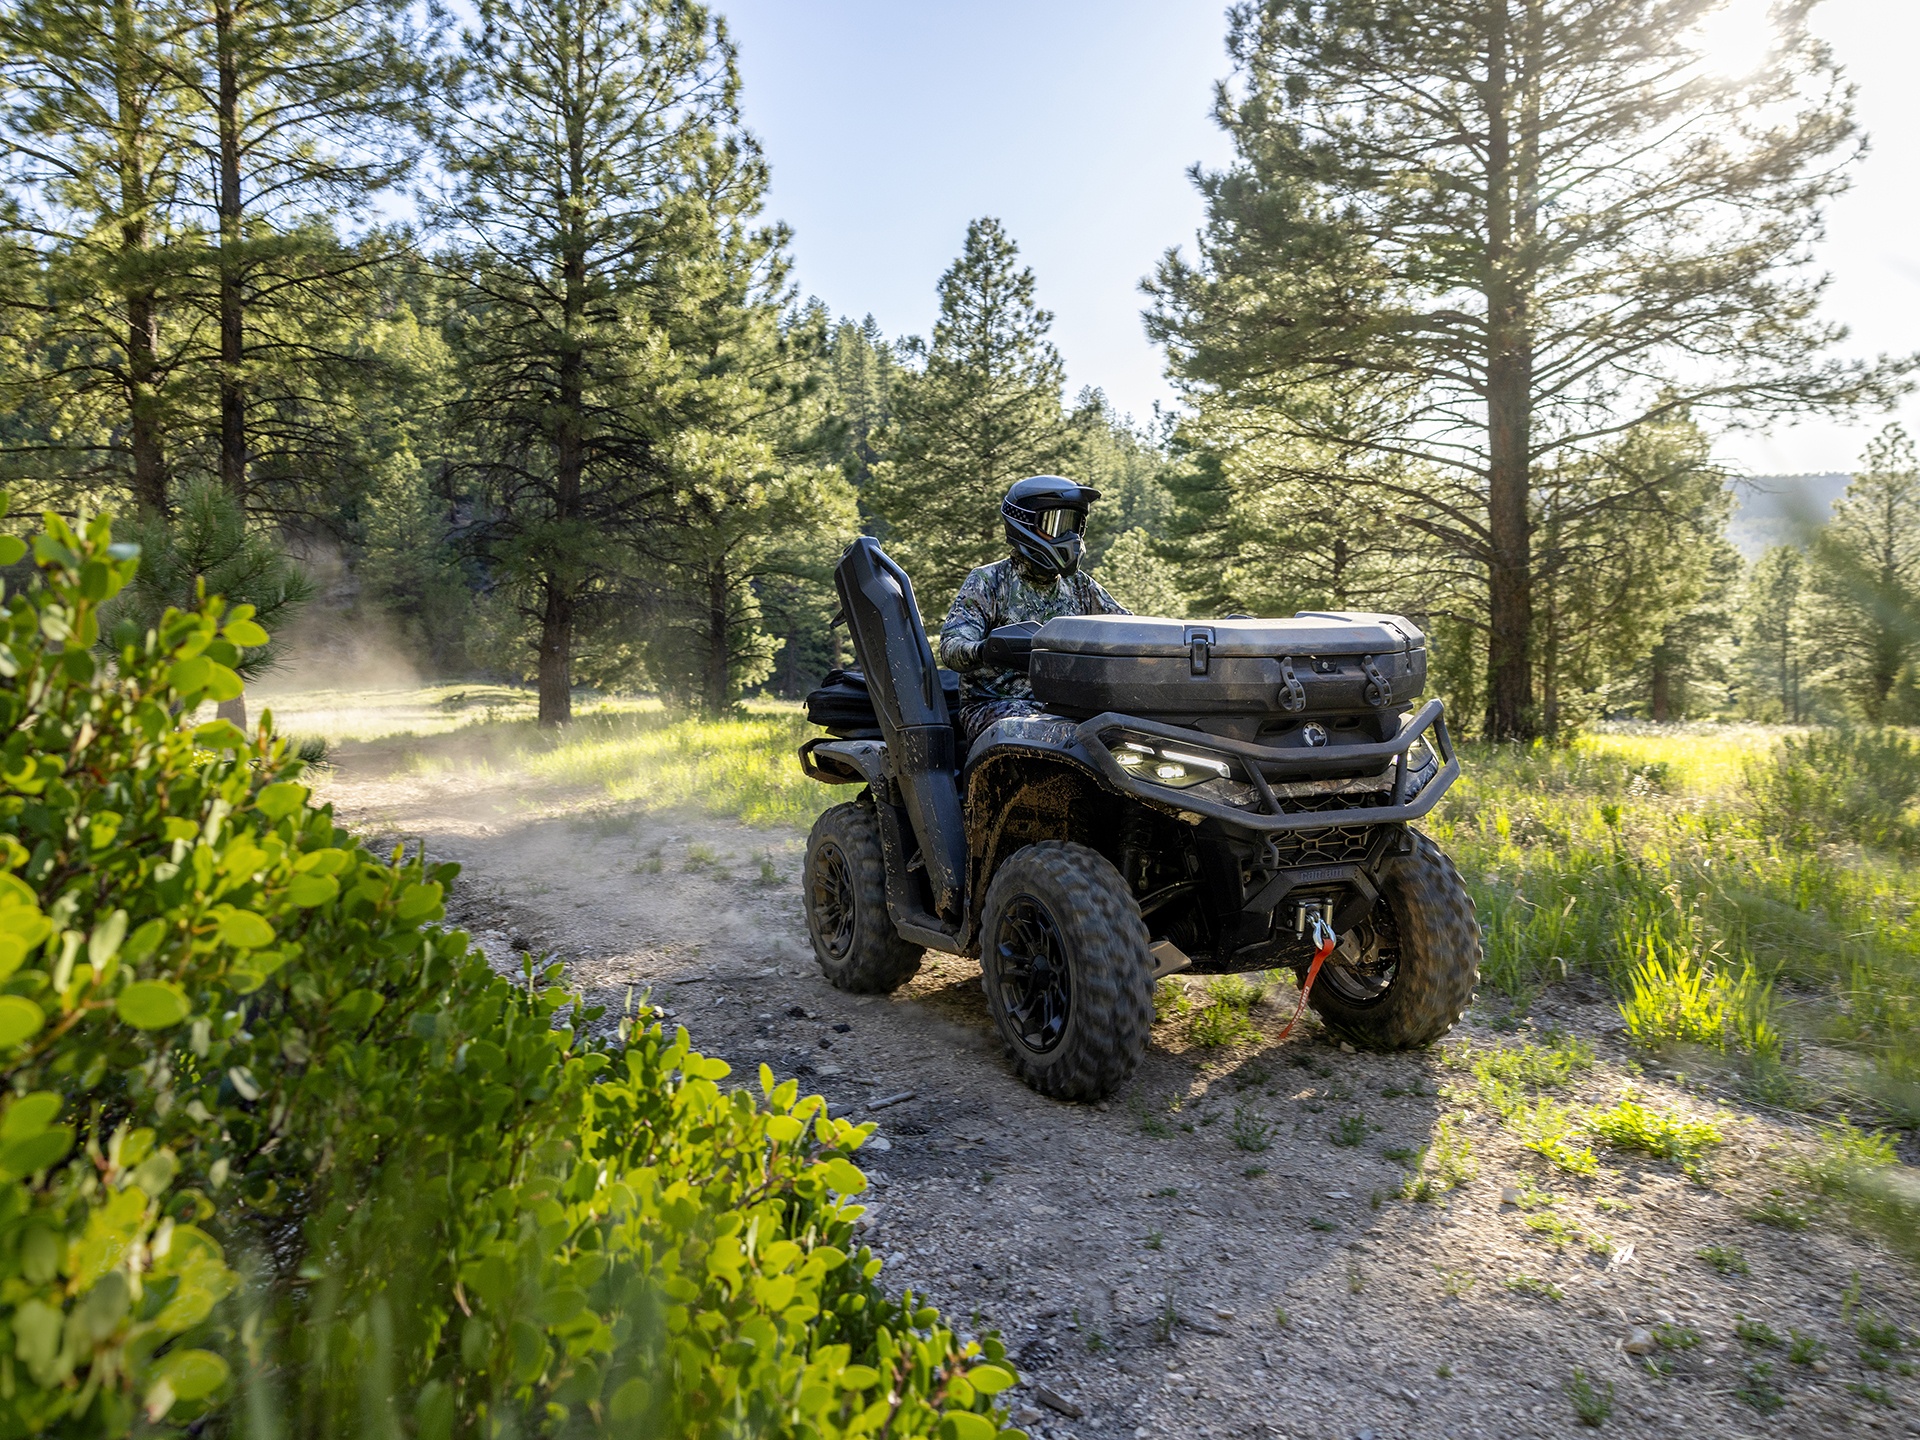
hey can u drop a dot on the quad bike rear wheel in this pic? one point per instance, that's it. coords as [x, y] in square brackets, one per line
[846, 897]
[1068, 977]
[1404, 976]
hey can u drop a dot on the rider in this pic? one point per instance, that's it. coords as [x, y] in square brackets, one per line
[1046, 519]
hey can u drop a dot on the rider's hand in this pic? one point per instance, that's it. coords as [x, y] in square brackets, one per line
[1009, 647]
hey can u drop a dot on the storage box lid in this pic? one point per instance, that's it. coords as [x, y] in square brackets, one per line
[1311, 632]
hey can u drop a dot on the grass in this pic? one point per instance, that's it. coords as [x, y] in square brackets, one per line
[1532, 1285]
[1665, 1134]
[1737, 890]
[1726, 1259]
[1224, 1017]
[1553, 1227]
[1554, 1132]
[1350, 1132]
[1251, 1132]
[1445, 1164]
[1591, 1404]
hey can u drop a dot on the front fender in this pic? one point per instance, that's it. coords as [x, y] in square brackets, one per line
[845, 762]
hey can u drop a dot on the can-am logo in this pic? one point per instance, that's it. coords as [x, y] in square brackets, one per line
[1314, 735]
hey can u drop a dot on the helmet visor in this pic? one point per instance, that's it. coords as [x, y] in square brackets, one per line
[1055, 523]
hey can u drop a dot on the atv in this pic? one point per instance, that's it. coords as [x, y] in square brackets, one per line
[1219, 796]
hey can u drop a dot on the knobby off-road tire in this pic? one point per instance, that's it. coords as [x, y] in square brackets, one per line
[1068, 977]
[846, 898]
[1429, 928]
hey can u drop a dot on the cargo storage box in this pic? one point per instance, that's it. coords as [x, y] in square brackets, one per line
[1313, 665]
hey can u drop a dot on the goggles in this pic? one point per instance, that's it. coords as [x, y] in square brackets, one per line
[1055, 523]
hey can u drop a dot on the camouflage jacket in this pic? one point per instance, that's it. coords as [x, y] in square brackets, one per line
[1005, 594]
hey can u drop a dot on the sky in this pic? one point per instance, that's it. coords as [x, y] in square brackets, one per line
[890, 124]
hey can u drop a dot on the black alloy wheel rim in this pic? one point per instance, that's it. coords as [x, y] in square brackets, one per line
[1035, 980]
[1366, 981]
[832, 897]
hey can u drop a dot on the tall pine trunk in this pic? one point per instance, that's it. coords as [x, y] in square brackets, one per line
[1510, 710]
[233, 398]
[142, 310]
[569, 452]
[715, 672]
[556, 656]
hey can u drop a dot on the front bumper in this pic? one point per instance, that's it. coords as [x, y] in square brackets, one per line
[1410, 795]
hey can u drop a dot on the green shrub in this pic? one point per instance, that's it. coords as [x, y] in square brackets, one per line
[280, 1156]
[1842, 785]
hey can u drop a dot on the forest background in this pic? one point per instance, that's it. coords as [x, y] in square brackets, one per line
[1449, 343]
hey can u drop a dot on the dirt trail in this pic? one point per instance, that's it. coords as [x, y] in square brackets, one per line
[1137, 1255]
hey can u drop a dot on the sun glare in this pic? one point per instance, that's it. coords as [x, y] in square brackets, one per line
[1734, 39]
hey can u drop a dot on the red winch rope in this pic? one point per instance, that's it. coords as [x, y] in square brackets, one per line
[1324, 942]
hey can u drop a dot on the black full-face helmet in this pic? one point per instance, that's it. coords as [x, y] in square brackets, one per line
[1046, 519]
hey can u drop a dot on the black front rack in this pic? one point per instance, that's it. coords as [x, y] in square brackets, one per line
[1256, 761]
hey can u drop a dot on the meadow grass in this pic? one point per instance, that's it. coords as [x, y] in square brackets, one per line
[1662, 864]
[743, 765]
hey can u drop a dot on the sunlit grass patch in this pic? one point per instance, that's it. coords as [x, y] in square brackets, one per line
[1553, 1131]
[1665, 1134]
[1445, 1164]
[1223, 1018]
[1500, 1072]
[743, 766]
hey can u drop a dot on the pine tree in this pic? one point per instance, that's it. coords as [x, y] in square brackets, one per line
[1632, 569]
[98, 143]
[302, 108]
[586, 143]
[1477, 238]
[861, 366]
[1128, 466]
[981, 409]
[1773, 636]
[1865, 572]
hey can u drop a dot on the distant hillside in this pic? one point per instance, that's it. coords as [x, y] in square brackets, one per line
[1780, 509]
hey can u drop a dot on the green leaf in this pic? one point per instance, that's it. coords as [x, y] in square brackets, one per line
[417, 901]
[245, 930]
[190, 677]
[20, 1019]
[989, 1379]
[12, 549]
[222, 683]
[35, 1152]
[843, 1175]
[29, 1115]
[307, 891]
[220, 735]
[245, 632]
[104, 943]
[962, 1425]
[784, 1128]
[193, 1374]
[281, 799]
[152, 1004]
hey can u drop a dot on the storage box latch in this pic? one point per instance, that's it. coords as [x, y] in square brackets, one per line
[1200, 650]
[1378, 691]
[1293, 695]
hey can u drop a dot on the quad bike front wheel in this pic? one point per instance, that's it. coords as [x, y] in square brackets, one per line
[846, 897]
[1404, 976]
[1068, 977]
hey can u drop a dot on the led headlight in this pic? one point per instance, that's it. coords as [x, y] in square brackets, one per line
[1176, 769]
